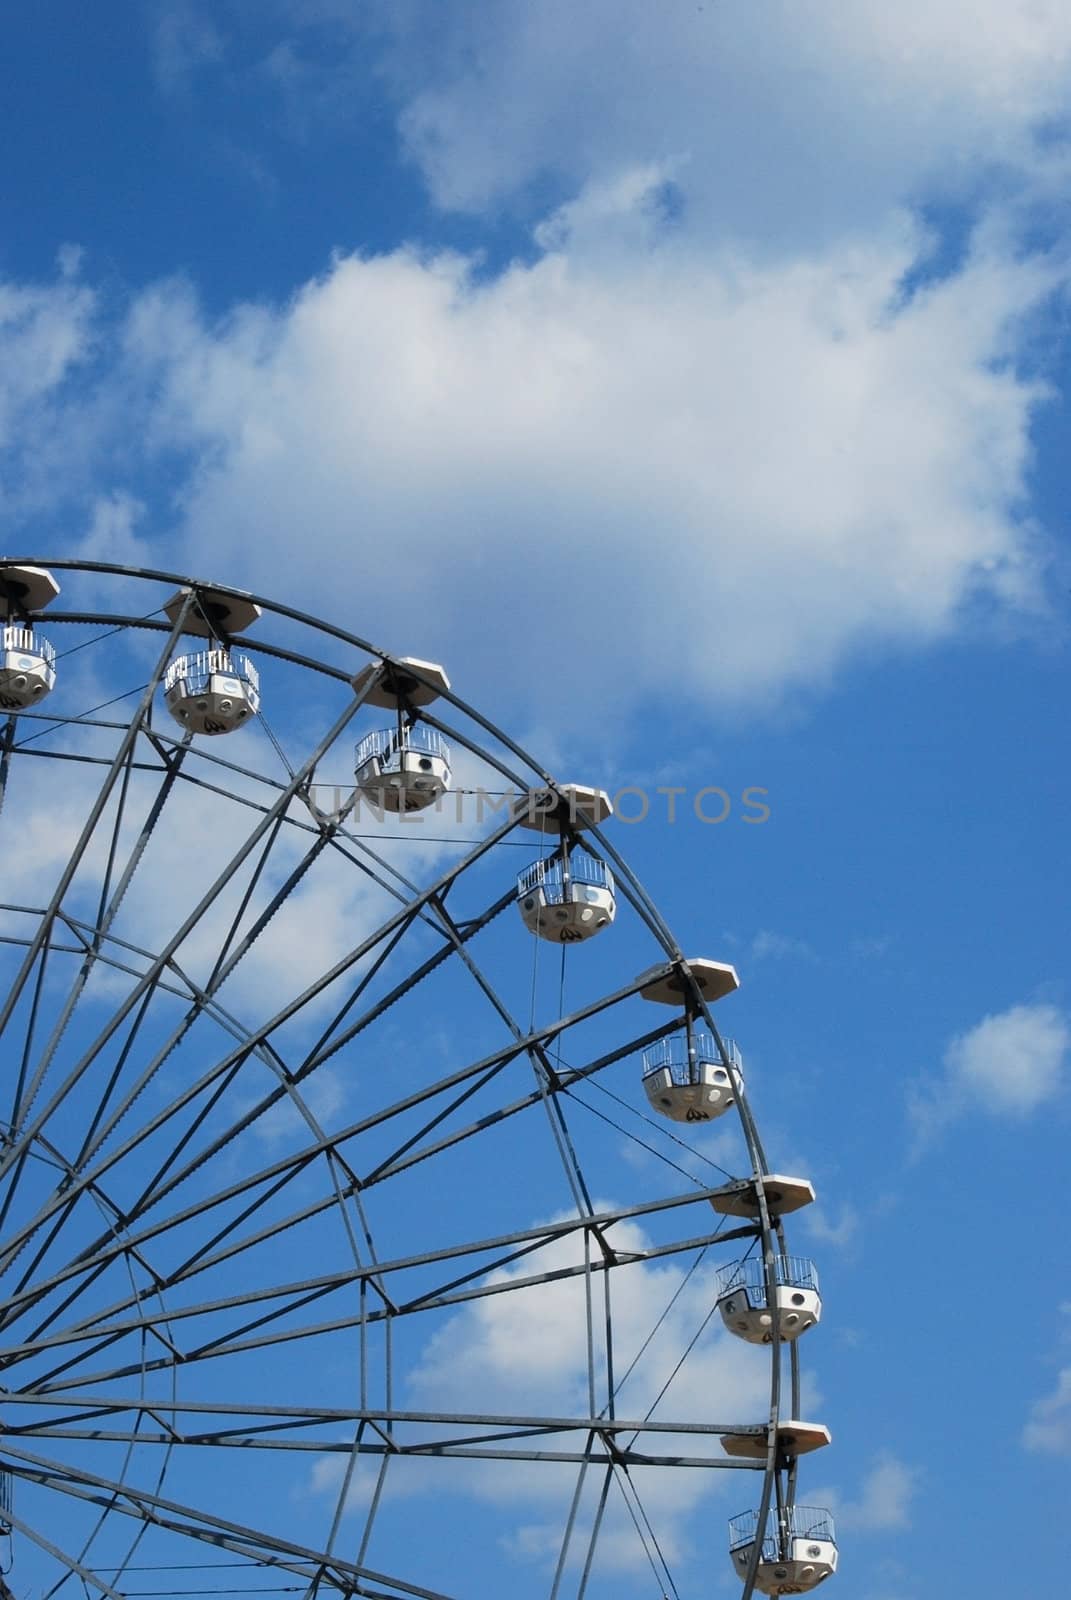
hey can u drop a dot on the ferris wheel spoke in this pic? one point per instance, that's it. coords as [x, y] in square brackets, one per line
[499, 1059]
[29, 1273]
[351, 846]
[400, 920]
[596, 1528]
[18, 1172]
[84, 933]
[281, 1174]
[7, 740]
[222, 1244]
[532, 1044]
[80, 847]
[274, 1414]
[474, 1283]
[466, 1447]
[233, 1341]
[526, 1242]
[570, 1521]
[488, 1256]
[226, 963]
[644, 1531]
[540, 1096]
[375, 1500]
[202, 1003]
[104, 1204]
[33, 1011]
[95, 1257]
[331, 1041]
[196, 1523]
[153, 1195]
[545, 1072]
[110, 904]
[71, 1187]
[71, 1564]
[449, 1435]
[285, 1169]
[189, 923]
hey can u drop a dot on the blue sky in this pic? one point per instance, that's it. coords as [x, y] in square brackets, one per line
[693, 381]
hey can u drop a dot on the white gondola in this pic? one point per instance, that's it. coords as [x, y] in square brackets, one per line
[403, 769]
[567, 898]
[686, 1079]
[213, 691]
[744, 1304]
[27, 668]
[27, 661]
[799, 1550]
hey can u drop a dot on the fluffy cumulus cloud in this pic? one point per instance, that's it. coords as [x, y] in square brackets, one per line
[1049, 1427]
[1010, 1063]
[47, 333]
[787, 118]
[838, 1234]
[634, 465]
[734, 417]
[884, 1500]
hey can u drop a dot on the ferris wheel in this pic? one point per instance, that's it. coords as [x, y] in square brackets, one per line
[381, 1208]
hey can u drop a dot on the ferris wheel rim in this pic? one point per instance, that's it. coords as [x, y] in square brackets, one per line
[770, 1231]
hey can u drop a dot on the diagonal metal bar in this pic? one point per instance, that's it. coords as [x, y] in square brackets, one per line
[7, 740]
[401, 918]
[110, 909]
[764, 1229]
[533, 1238]
[502, 1056]
[107, 1249]
[87, 1575]
[77, 854]
[158, 966]
[142, 1501]
[302, 1291]
[427, 1302]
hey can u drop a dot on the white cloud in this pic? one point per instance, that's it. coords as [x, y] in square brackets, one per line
[830, 467]
[111, 535]
[679, 454]
[839, 1234]
[1012, 1061]
[1009, 1064]
[788, 119]
[766, 943]
[46, 333]
[886, 1499]
[884, 1503]
[527, 1349]
[1049, 1428]
[184, 42]
[69, 259]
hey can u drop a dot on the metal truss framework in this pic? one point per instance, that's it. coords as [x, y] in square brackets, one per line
[122, 1215]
